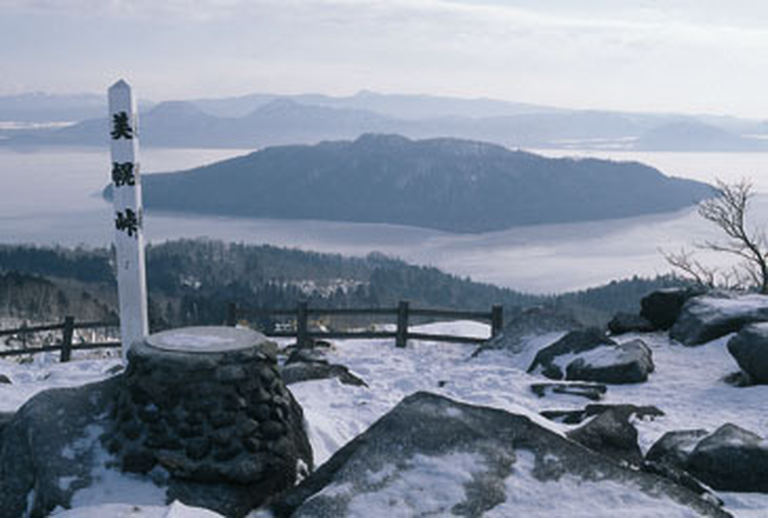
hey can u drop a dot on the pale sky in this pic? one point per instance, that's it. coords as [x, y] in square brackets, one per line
[645, 55]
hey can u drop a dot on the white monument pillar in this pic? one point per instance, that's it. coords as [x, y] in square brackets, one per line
[129, 236]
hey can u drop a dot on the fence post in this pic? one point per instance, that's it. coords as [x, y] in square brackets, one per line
[497, 319]
[401, 339]
[232, 314]
[66, 339]
[302, 325]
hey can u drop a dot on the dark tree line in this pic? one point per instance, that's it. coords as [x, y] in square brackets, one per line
[193, 282]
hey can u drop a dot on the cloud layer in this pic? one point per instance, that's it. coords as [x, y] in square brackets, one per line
[681, 55]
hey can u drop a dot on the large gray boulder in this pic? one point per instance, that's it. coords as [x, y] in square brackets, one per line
[51, 447]
[662, 307]
[611, 434]
[589, 355]
[707, 317]
[431, 456]
[750, 350]
[674, 448]
[731, 459]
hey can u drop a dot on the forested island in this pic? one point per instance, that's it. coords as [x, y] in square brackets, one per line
[445, 184]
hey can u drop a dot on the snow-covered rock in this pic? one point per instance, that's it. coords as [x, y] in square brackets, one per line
[305, 371]
[531, 322]
[432, 456]
[51, 448]
[611, 434]
[750, 349]
[675, 447]
[707, 317]
[589, 355]
[628, 323]
[731, 459]
[662, 307]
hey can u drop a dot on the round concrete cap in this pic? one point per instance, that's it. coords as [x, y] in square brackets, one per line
[205, 339]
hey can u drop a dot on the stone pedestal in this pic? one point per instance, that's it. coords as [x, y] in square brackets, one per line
[208, 405]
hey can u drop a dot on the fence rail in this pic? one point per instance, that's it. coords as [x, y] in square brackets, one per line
[66, 346]
[301, 313]
[403, 313]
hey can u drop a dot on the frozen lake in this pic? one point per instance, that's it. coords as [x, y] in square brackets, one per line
[52, 196]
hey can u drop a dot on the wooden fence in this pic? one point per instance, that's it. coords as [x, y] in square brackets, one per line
[403, 312]
[66, 345]
[301, 314]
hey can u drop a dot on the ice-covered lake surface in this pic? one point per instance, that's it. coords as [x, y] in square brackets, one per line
[52, 196]
[687, 386]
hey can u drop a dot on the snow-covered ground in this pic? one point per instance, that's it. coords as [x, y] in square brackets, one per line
[687, 385]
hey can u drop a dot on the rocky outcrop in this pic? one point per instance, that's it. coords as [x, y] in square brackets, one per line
[588, 355]
[310, 363]
[53, 437]
[675, 447]
[529, 322]
[750, 350]
[731, 459]
[662, 307]
[628, 362]
[629, 323]
[707, 317]
[431, 456]
[611, 434]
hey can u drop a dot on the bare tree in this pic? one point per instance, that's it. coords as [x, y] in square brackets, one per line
[728, 211]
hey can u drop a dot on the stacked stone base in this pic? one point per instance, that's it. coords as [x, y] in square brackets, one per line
[213, 417]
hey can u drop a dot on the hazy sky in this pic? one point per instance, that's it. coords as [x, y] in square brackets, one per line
[666, 55]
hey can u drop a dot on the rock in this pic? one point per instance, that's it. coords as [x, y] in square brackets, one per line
[53, 437]
[707, 317]
[300, 371]
[306, 355]
[116, 369]
[4, 380]
[611, 434]
[431, 456]
[738, 379]
[5, 418]
[662, 307]
[673, 448]
[750, 350]
[572, 343]
[593, 391]
[589, 355]
[731, 459]
[628, 323]
[681, 478]
[628, 362]
[529, 322]
[624, 411]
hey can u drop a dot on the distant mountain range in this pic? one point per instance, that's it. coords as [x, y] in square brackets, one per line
[260, 120]
[446, 184]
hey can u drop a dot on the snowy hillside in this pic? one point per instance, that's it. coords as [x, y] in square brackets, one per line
[687, 385]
